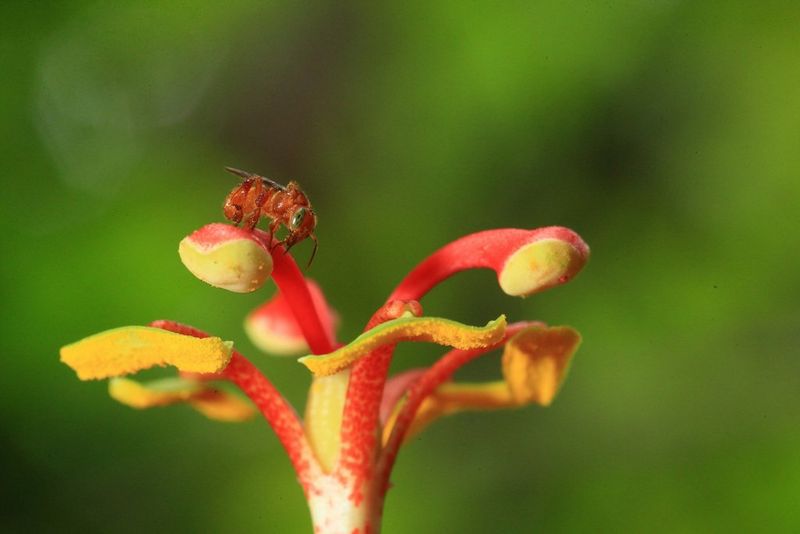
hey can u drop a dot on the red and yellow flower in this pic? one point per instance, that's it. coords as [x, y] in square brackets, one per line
[357, 416]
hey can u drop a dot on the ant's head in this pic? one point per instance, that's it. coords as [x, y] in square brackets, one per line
[302, 222]
[301, 225]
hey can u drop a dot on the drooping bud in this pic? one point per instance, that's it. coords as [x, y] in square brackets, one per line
[525, 261]
[539, 265]
[227, 257]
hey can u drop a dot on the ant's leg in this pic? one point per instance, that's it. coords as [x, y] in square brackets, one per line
[234, 204]
[252, 219]
[233, 207]
[258, 193]
[273, 227]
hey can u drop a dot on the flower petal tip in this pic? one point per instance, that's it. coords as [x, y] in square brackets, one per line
[129, 349]
[227, 257]
[536, 360]
[222, 406]
[213, 403]
[543, 263]
[148, 395]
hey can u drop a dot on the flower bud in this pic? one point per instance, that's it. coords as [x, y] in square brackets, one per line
[539, 265]
[227, 257]
[273, 327]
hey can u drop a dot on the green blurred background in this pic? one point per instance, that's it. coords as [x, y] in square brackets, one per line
[666, 133]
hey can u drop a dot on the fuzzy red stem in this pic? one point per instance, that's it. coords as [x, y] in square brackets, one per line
[278, 413]
[482, 250]
[292, 284]
[275, 408]
[432, 378]
[360, 428]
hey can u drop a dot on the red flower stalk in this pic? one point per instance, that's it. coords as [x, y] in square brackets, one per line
[526, 261]
[356, 420]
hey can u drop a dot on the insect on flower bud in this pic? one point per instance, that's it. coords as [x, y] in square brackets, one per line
[226, 257]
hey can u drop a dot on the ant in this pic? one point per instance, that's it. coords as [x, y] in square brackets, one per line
[288, 205]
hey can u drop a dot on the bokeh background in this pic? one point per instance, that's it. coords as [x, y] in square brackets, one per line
[667, 133]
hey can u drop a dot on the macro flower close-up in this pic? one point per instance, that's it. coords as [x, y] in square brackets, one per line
[399, 268]
[357, 416]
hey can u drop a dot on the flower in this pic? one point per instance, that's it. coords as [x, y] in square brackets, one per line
[357, 417]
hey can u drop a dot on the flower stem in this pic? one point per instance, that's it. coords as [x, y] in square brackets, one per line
[292, 284]
[275, 408]
[360, 438]
[491, 249]
[333, 511]
[425, 385]
[279, 414]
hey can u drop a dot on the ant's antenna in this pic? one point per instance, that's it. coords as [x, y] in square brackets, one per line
[313, 252]
[247, 175]
[239, 173]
